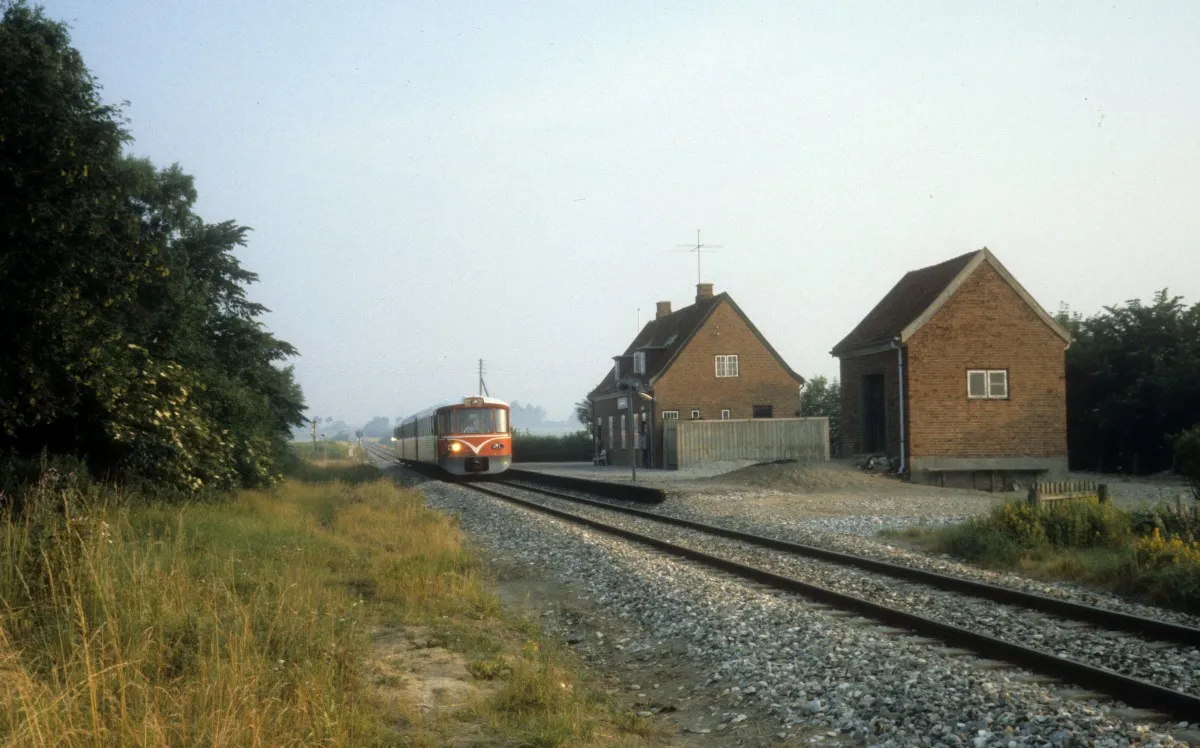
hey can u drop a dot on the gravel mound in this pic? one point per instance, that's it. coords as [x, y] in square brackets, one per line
[801, 477]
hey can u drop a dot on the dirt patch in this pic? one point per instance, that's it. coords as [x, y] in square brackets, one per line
[423, 682]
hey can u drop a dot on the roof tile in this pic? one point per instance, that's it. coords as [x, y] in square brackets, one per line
[907, 300]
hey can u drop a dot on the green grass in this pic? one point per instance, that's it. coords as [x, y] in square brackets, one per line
[1150, 554]
[256, 621]
[322, 450]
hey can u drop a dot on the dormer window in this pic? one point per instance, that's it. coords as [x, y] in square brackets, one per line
[639, 362]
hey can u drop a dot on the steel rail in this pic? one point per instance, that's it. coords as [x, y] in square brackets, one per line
[1132, 691]
[1151, 628]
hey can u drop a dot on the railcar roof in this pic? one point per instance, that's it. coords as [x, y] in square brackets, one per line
[452, 404]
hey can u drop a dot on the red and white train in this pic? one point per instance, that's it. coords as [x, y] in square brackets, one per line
[468, 438]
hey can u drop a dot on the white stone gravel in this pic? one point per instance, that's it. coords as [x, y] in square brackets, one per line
[1170, 666]
[802, 662]
[858, 534]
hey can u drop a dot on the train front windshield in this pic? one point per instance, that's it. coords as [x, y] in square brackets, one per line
[481, 421]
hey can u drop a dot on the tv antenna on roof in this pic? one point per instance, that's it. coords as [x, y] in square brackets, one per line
[698, 248]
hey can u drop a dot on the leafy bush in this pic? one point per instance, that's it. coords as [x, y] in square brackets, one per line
[576, 447]
[1166, 570]
[1170, 522]
[989, 546]
[1187, 457]
[1063, 524]
[1151, 553]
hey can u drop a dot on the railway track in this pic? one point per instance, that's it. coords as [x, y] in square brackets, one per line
[1131, 690]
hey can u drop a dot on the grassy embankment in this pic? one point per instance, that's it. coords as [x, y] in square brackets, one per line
[1152, 554]
[297, 616]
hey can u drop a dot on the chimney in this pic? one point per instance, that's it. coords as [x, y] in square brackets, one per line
[664, 308]
[703, 291]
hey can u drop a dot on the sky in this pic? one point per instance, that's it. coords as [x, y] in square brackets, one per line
[434, 183]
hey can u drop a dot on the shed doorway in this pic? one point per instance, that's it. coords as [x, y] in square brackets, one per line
[874, 414]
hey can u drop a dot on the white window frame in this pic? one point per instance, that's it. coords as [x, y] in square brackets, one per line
[995, 384]
[639, 362]
[695, 414]
[725, 414]
[670, 415]
[727, 365]
[622, 402]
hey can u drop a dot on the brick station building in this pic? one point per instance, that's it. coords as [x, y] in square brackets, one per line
[704, 361]
[960, 375]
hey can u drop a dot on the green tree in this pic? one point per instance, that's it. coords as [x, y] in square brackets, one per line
[1187, 452]
[128, 333]
[822, 397]
[378, 426]
[583, 412]
[74, 260]
[1132, 384]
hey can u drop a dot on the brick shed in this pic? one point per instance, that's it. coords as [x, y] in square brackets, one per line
[704, 361]
[960, 375]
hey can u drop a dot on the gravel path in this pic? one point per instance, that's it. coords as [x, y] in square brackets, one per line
[805, 663]
[1171, 666]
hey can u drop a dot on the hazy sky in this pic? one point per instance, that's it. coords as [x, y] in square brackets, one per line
[434, 183]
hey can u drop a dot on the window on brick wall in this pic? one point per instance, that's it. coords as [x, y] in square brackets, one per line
[725, 414]
[695, 415]
[670, 415]
[727, 366]
[987, 384]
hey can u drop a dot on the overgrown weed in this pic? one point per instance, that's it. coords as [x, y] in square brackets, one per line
[127, 621]
[1151, 553]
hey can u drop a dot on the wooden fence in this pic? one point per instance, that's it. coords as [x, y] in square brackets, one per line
[687, 443]
[1066, 490]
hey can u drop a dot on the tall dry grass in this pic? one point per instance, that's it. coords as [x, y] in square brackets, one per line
[143, 625]
[249, 622]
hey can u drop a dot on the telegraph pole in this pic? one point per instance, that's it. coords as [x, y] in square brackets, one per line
[483, 390]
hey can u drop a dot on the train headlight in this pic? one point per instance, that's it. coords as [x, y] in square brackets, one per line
[455, 447]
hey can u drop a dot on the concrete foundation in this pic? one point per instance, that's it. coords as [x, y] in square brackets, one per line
[986, 473]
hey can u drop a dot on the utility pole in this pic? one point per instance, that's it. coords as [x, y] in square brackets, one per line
[483, 390]
[633, 432]
[314, 438]
[630, 388]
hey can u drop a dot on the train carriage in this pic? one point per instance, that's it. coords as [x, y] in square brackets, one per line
[468, 438]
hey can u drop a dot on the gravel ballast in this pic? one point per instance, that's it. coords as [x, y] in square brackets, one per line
[1175, 667]
[805, 664]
